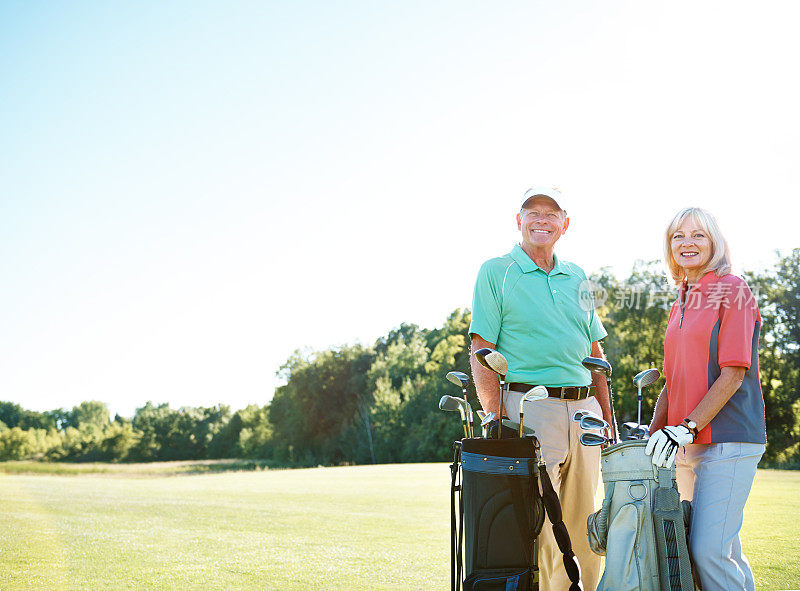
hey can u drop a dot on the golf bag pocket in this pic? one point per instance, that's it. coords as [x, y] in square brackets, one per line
[626, 544]
[500, 580]
[597, 539]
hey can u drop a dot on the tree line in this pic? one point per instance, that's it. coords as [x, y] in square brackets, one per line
[357, 404]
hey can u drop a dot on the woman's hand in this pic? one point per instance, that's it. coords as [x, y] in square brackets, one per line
[664, 444]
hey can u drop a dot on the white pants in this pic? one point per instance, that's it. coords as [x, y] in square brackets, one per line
[717, 479]
[574, 470]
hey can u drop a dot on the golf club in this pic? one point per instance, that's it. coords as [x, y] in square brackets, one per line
[485, 421]
[631, 430]
[470, 418]
[593, 439]
[641, 380]
[535, 393]
[461, 379]
[593, 422]
[603, 367]
[452, 403]
[495, 362]
[579, 414]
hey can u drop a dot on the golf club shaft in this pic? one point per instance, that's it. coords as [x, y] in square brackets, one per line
[500, 415]
[614, 437]
[639, 410]
[469, 418]
[464, 422]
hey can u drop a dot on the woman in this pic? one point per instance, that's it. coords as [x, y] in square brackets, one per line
[709, 418]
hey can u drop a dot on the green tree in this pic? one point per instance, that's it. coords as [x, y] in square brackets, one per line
[635, 314]
[778, 293]
[91, 412]
[310, 413]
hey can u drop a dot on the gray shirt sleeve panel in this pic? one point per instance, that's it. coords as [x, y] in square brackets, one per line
[742, 417]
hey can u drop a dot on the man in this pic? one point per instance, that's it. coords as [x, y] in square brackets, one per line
[526, 306]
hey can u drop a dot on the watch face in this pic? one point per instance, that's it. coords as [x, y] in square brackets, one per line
[692, 424]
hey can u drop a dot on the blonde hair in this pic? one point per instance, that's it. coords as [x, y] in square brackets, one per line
[720, 261]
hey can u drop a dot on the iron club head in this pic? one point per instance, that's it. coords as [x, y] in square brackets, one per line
[632, 430]
[593, 422]
[593, 439]
[451, 403]
[579, 414]
[485, 421]
[535, 393]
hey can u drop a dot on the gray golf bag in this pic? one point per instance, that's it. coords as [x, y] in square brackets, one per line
[497, 513]
[642, 527]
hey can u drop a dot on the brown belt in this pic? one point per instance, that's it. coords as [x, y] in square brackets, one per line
[565, 393]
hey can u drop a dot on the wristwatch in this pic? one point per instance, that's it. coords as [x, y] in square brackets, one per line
[692, 426]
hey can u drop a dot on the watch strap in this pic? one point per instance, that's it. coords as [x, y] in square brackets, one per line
[693, 430]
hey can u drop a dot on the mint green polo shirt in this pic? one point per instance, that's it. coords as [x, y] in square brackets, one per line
[535, 319]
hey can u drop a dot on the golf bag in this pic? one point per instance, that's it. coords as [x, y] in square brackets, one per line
[497, 513]
[500, 514]
[642, 527]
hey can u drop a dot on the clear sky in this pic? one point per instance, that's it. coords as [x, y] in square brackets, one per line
[190, 191]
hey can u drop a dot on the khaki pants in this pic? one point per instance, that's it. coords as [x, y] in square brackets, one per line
[574, 470]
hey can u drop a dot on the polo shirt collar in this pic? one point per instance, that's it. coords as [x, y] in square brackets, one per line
[701, 285]
[528, 266]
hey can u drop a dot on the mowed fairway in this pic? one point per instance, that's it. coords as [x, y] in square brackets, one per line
[381, 527]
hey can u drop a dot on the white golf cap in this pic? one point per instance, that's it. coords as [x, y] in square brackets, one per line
[545, 191]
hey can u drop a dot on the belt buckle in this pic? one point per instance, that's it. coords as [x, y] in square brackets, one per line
[567, 390]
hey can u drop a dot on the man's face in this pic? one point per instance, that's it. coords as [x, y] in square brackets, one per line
[541, 222]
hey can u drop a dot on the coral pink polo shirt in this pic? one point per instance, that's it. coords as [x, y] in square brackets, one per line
[714, 325]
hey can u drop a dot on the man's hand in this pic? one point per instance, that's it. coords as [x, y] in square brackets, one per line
[664, 444]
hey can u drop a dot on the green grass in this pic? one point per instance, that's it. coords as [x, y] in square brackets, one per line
[143, 469]
[166, 526]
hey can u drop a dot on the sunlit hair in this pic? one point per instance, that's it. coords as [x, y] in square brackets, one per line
[720, 260]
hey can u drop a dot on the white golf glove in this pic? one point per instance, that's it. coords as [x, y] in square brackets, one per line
[664, 444]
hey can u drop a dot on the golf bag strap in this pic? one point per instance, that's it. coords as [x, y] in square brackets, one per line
[455, 532]
[664, 478]
[553, 507]
[460, 539]
[668, 520]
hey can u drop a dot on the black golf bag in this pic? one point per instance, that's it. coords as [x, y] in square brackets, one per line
[500, 515]
[497, 513]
